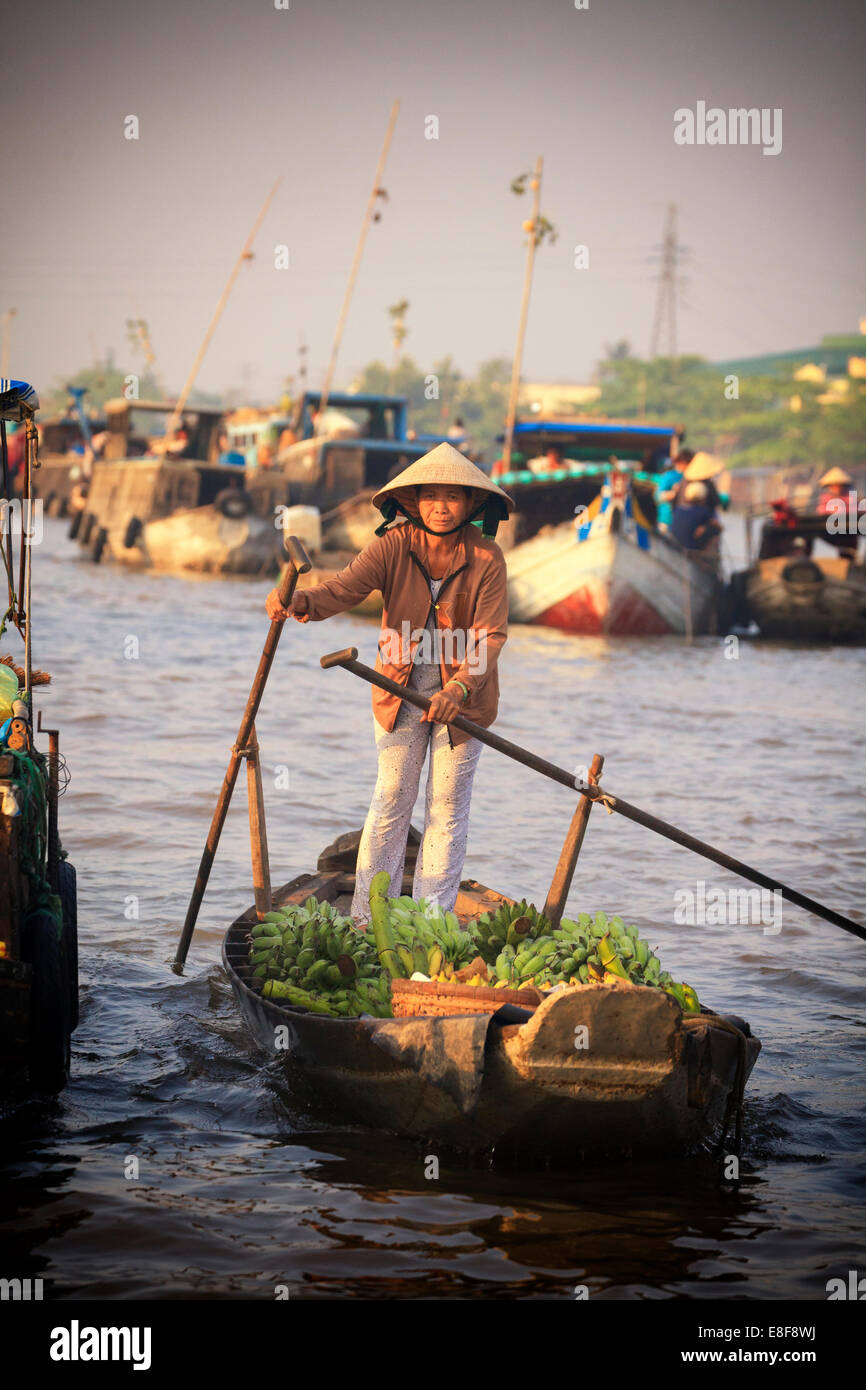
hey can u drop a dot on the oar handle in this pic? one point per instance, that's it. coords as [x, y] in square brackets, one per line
[348, 659]
[299, 563]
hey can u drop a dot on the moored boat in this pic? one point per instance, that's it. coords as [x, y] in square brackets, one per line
[582, 548]
[38, 914]
[177, 512]
[791, 592]
[360, 442]
[653, 1079]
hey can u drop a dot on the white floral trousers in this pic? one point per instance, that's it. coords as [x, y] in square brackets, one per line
[402, 754]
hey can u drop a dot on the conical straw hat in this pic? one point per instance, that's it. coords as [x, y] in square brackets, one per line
[835, 475]
[703, 466]
[444, 464]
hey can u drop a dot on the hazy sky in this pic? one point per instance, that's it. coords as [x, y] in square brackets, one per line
[231, 94]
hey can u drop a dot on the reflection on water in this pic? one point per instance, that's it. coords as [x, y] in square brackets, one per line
[235, 1193]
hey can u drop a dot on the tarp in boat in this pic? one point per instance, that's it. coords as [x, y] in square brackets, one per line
[14, 395]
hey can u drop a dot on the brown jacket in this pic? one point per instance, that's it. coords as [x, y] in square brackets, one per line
[472, 604]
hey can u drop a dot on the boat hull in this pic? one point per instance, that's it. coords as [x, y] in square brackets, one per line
[608, 585]
[832, 608]
[158, 514]
[649, 1082]
[203, 541]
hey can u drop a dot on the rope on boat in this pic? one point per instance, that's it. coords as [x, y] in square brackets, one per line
[734, 1106]
[31, 780]
[594, 790]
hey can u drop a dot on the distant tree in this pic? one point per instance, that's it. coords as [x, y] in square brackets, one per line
[757, 428]
[441, 395]
[618, 351]
[102, 383]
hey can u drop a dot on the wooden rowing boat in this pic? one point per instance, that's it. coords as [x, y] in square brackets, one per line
[649, 1079]
[795, 594]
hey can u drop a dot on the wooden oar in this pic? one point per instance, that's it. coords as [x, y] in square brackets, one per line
[298, 564]
[348, 659]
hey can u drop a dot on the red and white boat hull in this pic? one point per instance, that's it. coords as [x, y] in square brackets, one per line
[608, 584]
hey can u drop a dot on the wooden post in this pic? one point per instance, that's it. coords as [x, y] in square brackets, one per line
[687, 599]
[556, 898]
[246, 254]
[524, 311]
[356, 263]
[258, 831]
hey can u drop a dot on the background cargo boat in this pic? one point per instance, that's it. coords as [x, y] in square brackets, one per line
[582, 548]
[796, 592]
[338, 464]
[65, 455]
[185, 512]
[360, 442]
[654, 1080]
[38, 923]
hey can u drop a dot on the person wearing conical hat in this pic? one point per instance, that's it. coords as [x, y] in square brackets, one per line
[834, 484]
[702, 466]
[445, 619]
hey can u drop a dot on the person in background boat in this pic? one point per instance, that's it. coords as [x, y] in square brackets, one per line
[229, 455]
[835, 484]
[785, 540]
[547, 462]
[445, 620]
[288, 437]
[694, 523]
[179, 444]
[666, 486]
[705, 468]
[264, 455]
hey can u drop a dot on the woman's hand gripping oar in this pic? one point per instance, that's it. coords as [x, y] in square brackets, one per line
[298, 564]
[348, 659]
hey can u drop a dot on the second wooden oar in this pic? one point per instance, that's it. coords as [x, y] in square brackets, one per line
[298, 564]
[348, 659]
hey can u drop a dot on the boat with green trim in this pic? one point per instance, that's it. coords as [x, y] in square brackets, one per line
[582, 547]
[38, 914]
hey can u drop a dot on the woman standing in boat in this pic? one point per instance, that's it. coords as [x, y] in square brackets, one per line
[445, 619]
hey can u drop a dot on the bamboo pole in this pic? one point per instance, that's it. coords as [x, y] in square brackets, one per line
[246, 253]
[524, 313]
[298, 564]
[356, 262]
[258, 830]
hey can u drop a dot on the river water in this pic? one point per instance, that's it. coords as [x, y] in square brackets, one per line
[758, 749]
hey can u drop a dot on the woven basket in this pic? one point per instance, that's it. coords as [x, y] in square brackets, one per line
[433, 997]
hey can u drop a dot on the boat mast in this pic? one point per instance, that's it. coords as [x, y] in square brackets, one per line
[246, 254]
[375, 193]
[524, 311]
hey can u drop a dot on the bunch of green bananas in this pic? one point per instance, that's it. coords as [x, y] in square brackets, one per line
[310, 951]
[363, 997]
[426, 939]
[416, 937]
[585, 952]
[512, 924]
